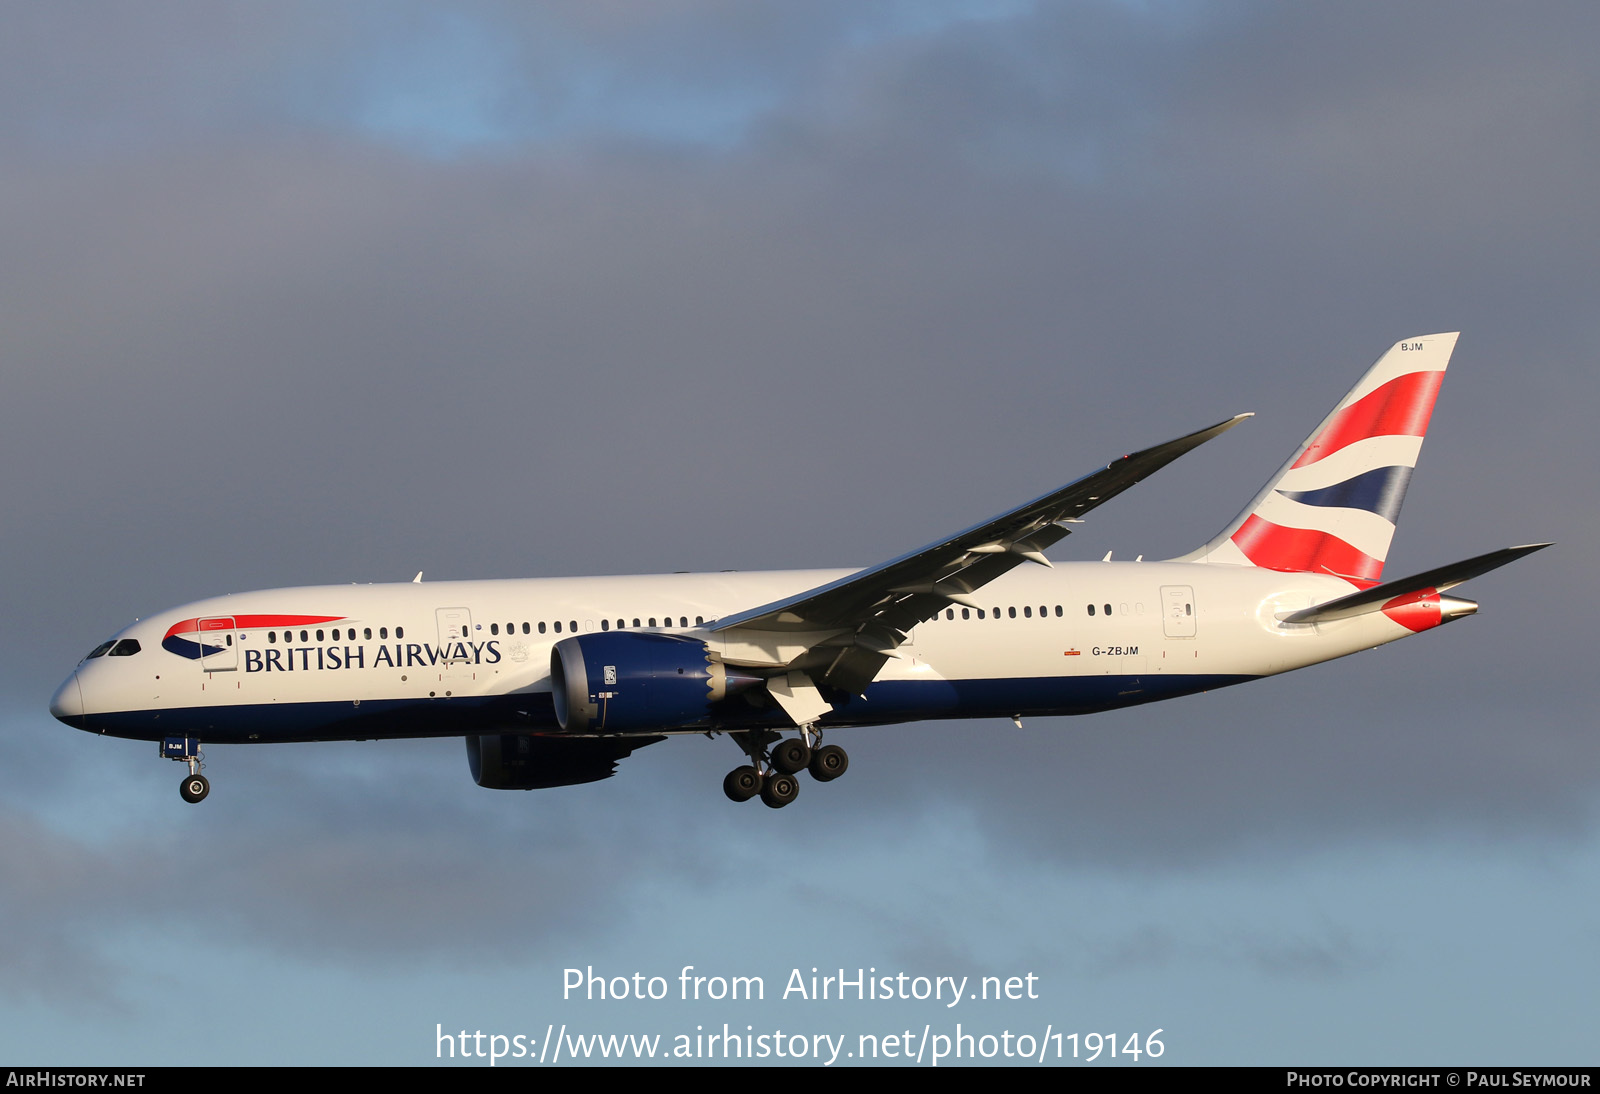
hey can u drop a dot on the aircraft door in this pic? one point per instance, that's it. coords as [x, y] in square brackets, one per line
[1177, 611]
[455, 634]
[218, 650]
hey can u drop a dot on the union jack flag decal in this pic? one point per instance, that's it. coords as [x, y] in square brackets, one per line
[1332, 508]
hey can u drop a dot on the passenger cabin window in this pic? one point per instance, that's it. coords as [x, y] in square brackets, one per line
[399, 632]
[383, 632]
[558, 626]
[1091, 609]
[541, 626]
[366, 632]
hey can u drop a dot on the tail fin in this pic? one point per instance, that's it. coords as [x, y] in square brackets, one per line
[1332, 508]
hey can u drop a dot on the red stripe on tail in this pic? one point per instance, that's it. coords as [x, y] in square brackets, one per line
[1401, 408]
[1305, 550]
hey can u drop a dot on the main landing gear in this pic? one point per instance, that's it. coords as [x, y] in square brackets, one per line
[195, 786]
[773, 767]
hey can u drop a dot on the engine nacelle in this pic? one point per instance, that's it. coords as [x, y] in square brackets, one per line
[520, 761]
[628, 681]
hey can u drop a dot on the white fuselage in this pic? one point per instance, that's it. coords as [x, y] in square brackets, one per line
[457, 658]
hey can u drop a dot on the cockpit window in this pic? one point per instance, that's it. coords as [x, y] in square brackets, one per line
[126, 648]
[100, 650]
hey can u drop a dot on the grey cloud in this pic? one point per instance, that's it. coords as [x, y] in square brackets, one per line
[1325, 955]
[1317, 953]
[265, 355]
[319, 857]
[53, 889]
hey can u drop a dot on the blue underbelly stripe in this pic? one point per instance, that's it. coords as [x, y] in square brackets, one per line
[886, 702]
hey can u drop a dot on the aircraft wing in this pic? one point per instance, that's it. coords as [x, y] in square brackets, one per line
[864, 617]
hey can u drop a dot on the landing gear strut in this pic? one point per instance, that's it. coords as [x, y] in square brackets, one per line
[195, 786]
[775, 761]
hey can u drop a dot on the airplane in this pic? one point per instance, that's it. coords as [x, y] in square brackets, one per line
[554, 681]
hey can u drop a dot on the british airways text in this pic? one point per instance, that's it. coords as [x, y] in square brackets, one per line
[396, 656]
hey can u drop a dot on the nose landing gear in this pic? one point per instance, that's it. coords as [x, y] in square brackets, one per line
[195, 786]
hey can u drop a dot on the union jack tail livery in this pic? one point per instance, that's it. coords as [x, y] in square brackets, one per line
[1332, 508]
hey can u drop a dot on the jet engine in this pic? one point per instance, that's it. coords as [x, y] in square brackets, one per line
[521, 761]
[627, 681]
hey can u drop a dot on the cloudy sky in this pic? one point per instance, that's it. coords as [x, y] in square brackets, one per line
[316, 293]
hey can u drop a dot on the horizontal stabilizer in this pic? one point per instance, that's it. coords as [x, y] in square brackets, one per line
[1436, 580]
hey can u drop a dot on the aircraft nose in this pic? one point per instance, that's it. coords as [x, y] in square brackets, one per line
[67, 703]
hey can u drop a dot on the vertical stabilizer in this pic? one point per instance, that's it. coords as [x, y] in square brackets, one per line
[1332, 508]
